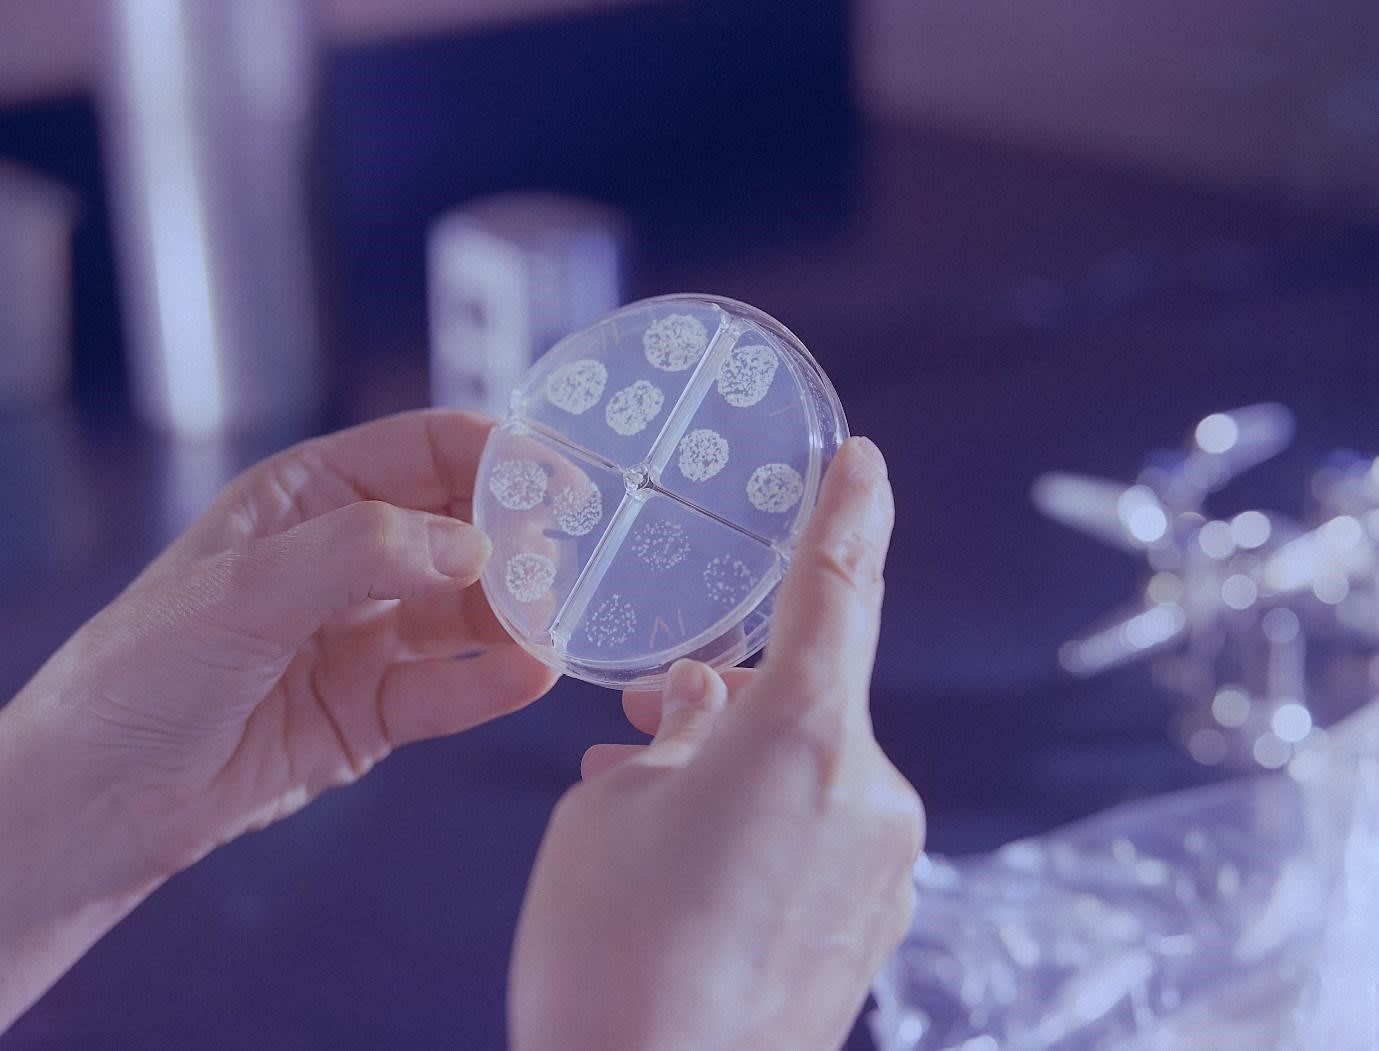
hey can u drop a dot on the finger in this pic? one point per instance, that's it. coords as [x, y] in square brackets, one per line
[422, 699]
[447, 624]
[283, 587]
[643, 707]
[690, 703]
[600, 758]
[643, 710]
[425, 459]
[827, 614]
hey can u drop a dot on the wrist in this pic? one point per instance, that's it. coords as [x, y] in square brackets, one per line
[74, 857]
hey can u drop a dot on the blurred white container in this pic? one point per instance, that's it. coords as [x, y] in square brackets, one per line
[208, 120]
[36, 219]
[508, 276]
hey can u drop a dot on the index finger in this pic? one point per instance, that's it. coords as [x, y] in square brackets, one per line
[828, 611]
[425, 459]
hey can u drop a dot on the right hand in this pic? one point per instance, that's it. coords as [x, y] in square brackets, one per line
[738, 882]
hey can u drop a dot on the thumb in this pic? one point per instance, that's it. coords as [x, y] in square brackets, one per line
[694, 695]
[287, 585]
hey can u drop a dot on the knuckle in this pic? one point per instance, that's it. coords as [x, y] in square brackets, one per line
[815, 740]
[898, 811]
[237, 574]
[914, 825]
[236, 586]
[907, 819]
[902, 912]
[379, 526]
[851, 559]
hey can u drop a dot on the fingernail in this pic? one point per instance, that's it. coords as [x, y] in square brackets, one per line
[684, 685]
[866, 451]
[457, 548]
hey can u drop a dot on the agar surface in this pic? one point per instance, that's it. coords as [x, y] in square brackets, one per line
[703, 453]
[680, 386]
[746, 374]
[578, 386]
[673, 343]
[727, 580]
[519, 485]
[528, 576]
[775, 487]
[578, 508]
[660, 544]
[612, 623]
[632, 408]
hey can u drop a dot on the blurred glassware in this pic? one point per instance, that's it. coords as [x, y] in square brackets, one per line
[36, 220]
[508, 276]
[208, 121]
[1267, 627]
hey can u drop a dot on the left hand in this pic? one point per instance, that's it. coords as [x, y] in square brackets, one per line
[306, 625]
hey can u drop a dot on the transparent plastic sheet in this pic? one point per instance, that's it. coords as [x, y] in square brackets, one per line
[1243, 915]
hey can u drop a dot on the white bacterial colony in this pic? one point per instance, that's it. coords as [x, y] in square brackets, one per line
[612, 623]
[578, 386]
[727, 580]
[673, 343]
[703, 453]
[632, 408]
[529, 576]
[578, 508]
[775, 487]
[746, 374]
[519, 485]
[660, 544]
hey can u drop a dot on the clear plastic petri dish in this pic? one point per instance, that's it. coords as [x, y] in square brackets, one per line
[649, 484]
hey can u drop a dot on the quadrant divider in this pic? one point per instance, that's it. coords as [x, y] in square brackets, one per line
[556, 438]
[594, 570]
[697, 509]
[690, 398]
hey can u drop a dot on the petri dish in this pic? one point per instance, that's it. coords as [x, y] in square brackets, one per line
[645, 491]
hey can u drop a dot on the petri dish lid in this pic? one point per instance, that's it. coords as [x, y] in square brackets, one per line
[649, 484]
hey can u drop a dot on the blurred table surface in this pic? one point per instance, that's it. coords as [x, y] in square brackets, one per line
[986, 314]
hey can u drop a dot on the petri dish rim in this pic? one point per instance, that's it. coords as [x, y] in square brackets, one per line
[825, 435]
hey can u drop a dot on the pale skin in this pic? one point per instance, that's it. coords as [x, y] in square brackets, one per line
[736, 884]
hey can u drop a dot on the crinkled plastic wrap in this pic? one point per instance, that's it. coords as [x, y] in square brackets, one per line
[1240, 916]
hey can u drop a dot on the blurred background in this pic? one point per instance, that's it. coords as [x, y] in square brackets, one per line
[1019, 237]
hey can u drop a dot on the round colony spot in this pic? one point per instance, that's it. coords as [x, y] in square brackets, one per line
[519, 485]
[673, 343]
[577, 386]
[578, 508]
[529, 576]
[775, 487]
[660, 544]
[632, 408]
[703, 453]
[727, 580]
[612, 623]
[746, 374]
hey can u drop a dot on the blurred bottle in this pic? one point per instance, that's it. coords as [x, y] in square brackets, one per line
[208, 111]
[36, 218]
[508, 276]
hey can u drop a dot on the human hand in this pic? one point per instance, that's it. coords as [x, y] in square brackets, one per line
[738, 882]
[307, 624]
